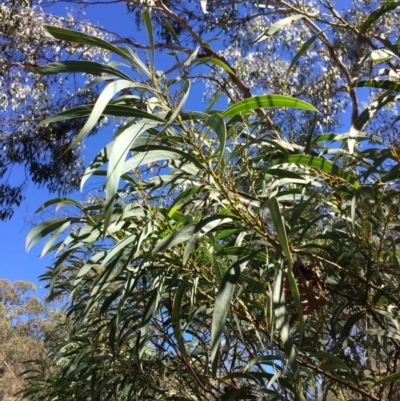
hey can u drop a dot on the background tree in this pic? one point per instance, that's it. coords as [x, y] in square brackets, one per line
[27, 98]
[23, 327]
[344, 46]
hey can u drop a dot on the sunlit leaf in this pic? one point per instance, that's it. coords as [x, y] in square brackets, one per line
[258, 102]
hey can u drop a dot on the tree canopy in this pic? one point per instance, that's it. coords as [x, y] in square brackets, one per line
[24, 324]
[27, 98]
[247, 251]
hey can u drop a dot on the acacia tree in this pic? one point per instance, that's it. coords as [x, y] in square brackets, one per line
[228, 260]
[241, 29]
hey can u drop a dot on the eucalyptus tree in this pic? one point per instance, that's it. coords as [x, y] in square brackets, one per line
[227, 260]
[23, 327]
[27, 98]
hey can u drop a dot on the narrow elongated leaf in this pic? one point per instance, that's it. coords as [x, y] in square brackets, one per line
[320, 164]
[282, 319]
[88, 67]
[330, 358]
[108, 93]
[184, 96]
[160, 153]
[302, 50]
[375, 83]
[176, 317]
[277, 26]
[388, 379]
[149, 28]
[59, 202]
[217, 123]
[70, 35]
[279, 227]
[144, 326]
[53, 237]
[109, 110]
[202, 228]
[258, 102]
[381, 333]
[181, 235]
[213, 101]
[171, 30]
[216, 62]
[222, 305]
[369, 112]
[376, 14]
[116, 164]
[45, 228]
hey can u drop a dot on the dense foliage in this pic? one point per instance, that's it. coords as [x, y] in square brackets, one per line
[24, 323]
[243, 252]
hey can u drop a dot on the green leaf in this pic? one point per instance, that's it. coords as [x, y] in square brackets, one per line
[279, 226]
[116, 164]
[106, 95]
[45, 228]
[302, 50]
[59, 202]
[159, 153]
[202, 228]
[217, 123]
[320, 164]
[181, 235]
[388, 379]
[376, 14]
[184, 95]
[53, 237]
[171, 30]
[369, 112]
[258, 102]
[109, 110]
[216, 62]
[222, 305]
[282, 321]
[213, 101]
[149, 27]
[332, 359]
[380, 84]
[176, 317]
[150, 307]
[88, 67]
[380, 333]
[70, 35]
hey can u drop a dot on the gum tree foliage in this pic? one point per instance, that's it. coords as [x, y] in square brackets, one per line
[23, 327]
[231, 259]
[27, 98]
[238, 31]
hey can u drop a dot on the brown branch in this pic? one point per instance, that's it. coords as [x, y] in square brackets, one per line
[146, 47]
[340, 65]
[342, 269]
[161, 7]
[12, 373]
[337, 379]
